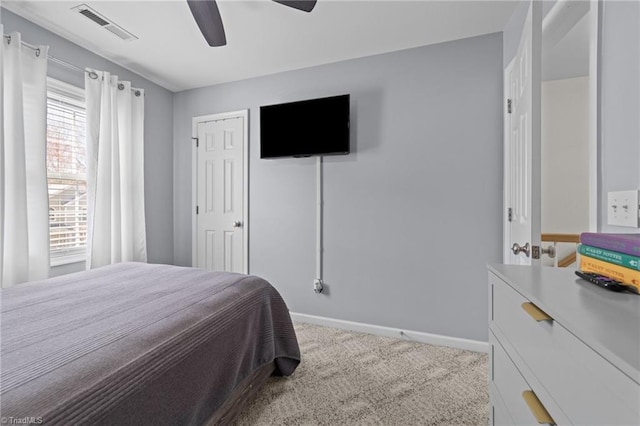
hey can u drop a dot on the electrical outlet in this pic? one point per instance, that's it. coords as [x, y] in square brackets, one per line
[623, 208]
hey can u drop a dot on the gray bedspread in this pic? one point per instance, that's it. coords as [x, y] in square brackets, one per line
[137, 344]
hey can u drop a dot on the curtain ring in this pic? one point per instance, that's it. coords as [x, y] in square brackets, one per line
[38, 52]
[8, 37]
[93, 75]
[137, 93]
[120, 86]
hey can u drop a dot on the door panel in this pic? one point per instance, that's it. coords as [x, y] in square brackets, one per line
[522, 144]
[220, 197]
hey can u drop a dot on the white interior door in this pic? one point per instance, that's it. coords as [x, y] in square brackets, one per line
[522, 151]
[220, 238]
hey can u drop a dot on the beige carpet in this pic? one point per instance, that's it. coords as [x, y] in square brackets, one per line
[350, 378]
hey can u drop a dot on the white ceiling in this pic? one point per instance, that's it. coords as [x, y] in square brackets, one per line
[570, 56]
[263, 37]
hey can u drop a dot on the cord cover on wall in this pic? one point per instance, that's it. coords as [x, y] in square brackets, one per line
[318, 284]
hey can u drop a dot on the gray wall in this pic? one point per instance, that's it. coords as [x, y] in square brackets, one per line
[412, 216]
[619, 156]
[158, 131]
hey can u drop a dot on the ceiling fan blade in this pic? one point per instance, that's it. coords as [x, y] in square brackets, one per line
[304, 5]
[208, 18]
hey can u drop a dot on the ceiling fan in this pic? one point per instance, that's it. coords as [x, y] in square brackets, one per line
[208, 18]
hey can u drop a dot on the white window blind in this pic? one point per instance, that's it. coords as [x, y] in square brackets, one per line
[66, 172]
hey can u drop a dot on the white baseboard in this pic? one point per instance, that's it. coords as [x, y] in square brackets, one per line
[432, 339]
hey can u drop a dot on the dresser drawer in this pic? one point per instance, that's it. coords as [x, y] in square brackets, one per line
[510, 386]
[588, 388]
[500, 417]
[498, 414]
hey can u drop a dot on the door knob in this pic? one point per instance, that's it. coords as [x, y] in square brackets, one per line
[537, 251]
[517, 249]
[237, 224]
[551, 251]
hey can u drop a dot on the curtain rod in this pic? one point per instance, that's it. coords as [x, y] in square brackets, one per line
[92, 74]
[36, 49]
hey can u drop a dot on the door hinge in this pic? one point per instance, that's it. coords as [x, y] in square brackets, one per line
[197, 142]
[510, 214]
[508, 106]
[197, 210]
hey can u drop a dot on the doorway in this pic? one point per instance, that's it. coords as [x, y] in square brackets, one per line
[561, 191]
[568, 143]
[220, 231]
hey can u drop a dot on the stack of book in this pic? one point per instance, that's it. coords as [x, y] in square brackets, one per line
[616, 256]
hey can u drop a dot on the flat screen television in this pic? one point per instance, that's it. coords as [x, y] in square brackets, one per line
[305, 128]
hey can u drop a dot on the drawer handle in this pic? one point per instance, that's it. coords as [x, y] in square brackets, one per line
[535, 312]
[537, 409]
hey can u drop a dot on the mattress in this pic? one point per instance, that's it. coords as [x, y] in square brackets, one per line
[135, 343]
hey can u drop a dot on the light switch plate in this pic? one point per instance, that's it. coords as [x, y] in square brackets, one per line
[623, 208]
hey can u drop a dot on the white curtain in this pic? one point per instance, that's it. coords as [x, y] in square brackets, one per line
[115, 171]
[25, 203]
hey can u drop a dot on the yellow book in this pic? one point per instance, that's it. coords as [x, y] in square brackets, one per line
[618, 273]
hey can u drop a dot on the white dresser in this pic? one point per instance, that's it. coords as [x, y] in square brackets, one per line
[562, 350]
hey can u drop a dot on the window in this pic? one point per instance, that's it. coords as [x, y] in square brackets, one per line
[66, 172]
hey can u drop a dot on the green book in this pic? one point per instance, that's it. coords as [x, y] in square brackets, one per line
[613, 257]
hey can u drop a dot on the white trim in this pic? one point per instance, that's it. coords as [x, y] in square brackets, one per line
[244, 114]
[593, 113]
[506, 197]
[194, 192]
[416, 336]
[66, 89]
[67, 259]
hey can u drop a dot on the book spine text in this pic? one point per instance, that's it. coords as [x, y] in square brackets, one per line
[614, 257]
[619, 273]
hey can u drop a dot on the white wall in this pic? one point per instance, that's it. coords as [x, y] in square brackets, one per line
[412, 216]
[565, 155]
[565, 160]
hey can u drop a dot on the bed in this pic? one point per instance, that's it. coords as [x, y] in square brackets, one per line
[135, 343]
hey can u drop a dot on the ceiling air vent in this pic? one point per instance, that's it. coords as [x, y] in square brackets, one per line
[93, 16]
[101, 20]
